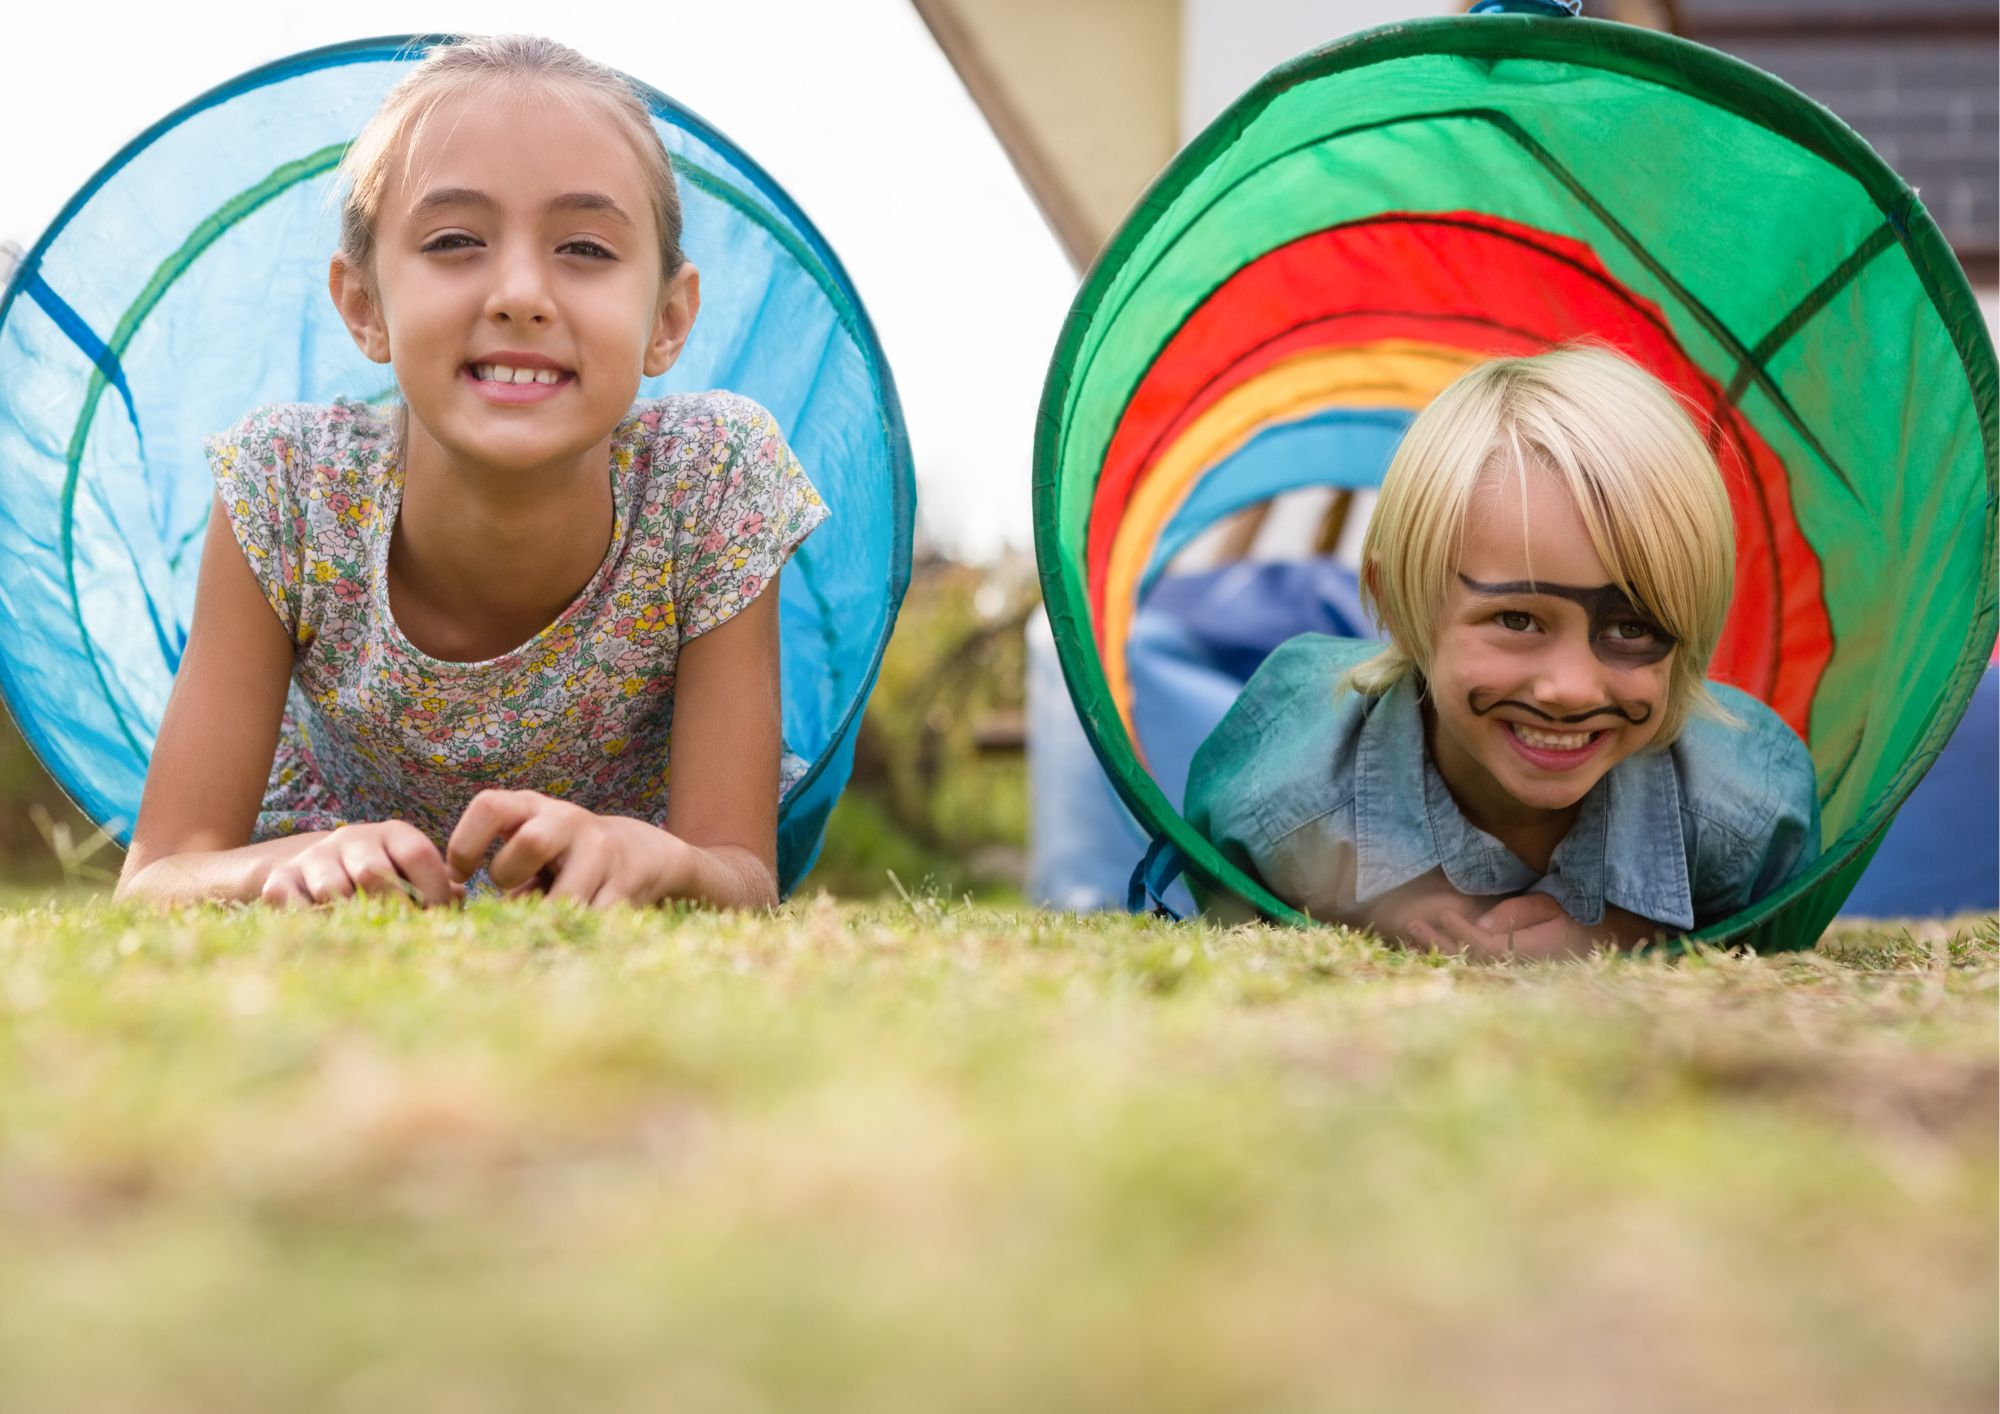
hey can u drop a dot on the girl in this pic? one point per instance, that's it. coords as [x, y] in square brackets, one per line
[473, 622]
[1534, 763]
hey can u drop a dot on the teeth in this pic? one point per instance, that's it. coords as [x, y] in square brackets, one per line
[1551, 741]
[501, 373]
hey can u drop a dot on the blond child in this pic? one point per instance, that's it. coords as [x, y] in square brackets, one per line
[506, 612]
[1534, 763]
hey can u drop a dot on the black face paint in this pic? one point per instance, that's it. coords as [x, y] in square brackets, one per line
[1609, 609]
[1574, 719]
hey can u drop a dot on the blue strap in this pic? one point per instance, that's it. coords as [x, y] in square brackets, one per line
[80, 333]
[1561, 9]
[1156, 873]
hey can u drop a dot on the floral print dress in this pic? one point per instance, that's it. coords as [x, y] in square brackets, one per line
[708, 502]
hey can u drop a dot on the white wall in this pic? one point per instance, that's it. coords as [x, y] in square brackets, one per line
[1227, 45]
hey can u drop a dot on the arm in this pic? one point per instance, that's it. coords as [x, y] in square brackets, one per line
[724, 758]
[213, 756]
[213, 759]
[720, 843]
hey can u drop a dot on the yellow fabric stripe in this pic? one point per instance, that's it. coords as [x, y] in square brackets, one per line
[1395, 373]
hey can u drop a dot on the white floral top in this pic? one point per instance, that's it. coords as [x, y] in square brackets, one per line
[708, 502]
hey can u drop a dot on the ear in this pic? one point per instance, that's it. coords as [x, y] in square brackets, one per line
[679, 303]
[1371, 579]
[359, 309]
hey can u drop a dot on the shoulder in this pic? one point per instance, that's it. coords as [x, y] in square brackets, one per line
[1273, 787]
[286, 439]
[709, 445]
[1303, 675]
[721, 455]
[1750, 801]
[707, 418]
[723, 498]
[1278, 750]
[296, 483]
[1743, 776]
[269, 435]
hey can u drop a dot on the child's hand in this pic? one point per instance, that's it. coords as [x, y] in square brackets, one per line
[572, 853]
[1530, 926]
[1425, 902]
[387, 857]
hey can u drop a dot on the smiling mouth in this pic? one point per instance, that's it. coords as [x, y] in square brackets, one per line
[1552, 741]
[505, 373]
[1553, 751]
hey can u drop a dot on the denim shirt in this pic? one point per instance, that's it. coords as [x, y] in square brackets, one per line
[1330, 796]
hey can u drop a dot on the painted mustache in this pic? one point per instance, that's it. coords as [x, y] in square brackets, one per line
[1574, 719]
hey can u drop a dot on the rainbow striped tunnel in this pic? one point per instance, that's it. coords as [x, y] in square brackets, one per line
[1375, 218]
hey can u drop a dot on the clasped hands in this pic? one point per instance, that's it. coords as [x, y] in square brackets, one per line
[1429, 914]
[545, 843]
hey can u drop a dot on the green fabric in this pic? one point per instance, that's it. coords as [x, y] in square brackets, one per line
[1751, 216]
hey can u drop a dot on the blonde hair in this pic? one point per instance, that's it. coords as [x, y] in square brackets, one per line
[1630, 456]
[501, 61]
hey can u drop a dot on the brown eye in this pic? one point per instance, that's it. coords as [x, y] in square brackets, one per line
[1514, 620]
[1633, 631]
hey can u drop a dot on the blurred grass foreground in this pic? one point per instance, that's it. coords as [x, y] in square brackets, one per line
[908, 1150]
[927, 1156]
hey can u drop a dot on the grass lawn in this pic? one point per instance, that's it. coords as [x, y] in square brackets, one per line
[921, 1157]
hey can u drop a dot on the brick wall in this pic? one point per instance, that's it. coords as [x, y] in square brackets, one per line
[1920, 80]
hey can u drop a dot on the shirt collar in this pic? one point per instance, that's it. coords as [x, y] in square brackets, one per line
[1626, 847]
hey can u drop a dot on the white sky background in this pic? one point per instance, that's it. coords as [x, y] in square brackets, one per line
[848, 103]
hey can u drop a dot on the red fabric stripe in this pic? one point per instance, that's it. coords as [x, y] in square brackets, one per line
[1474, 281]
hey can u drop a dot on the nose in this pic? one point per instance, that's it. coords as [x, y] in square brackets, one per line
[1569, 678]
[520, 291]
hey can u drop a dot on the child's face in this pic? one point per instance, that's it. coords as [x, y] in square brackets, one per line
[1540, 683]
[516, 241]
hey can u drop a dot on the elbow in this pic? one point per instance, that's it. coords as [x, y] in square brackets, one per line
[131, 879]
[761, 889]
[732, 876]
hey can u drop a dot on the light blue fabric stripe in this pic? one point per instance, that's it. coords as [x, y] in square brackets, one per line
[1348, 447]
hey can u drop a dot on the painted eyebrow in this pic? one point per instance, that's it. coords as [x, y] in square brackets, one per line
[590, 202]
[1604, 598]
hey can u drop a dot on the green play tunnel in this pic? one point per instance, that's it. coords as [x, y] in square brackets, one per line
[1373, 218]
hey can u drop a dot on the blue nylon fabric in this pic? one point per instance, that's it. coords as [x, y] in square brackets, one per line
[79, 333]
[97, 569]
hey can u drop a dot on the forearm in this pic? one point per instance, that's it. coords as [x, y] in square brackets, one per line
[218, 875]
[726, 876]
